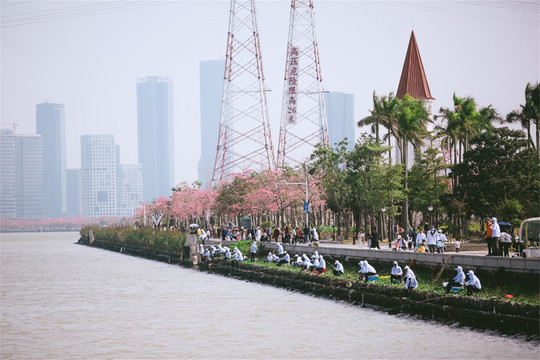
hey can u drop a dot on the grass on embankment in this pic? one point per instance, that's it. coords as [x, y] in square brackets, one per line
[522, 292]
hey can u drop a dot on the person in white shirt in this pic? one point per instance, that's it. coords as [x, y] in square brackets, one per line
[495, 233]
[297, 261]
[227, 253]
[396, 273]
[420, 237]
[321, 268]
[457, 281]
[269, 257]
[505, 241]
[338, 268]
[279, 248]
[314, 261]
[431, 239]
[315, 234]
[306, 264]
[253, 251]
[366, 270]
[473, 285]
[201, 249]
[441, 242]
[285, 259]
[410, 279]
[258, 234]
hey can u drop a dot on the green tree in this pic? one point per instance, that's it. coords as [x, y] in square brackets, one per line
[329, 165]
[384, 113]
[426, 184]
[529, 114]
[359, 160]
[412, 119]
[499, 167]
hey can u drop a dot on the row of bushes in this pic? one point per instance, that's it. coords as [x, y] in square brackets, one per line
[171, 240]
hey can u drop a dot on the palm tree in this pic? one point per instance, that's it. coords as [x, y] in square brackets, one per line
[412, 118]
[464, 122]
[529, 114]
[383, 113]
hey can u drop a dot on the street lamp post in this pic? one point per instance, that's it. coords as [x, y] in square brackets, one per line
[430, 209]
[382, 222]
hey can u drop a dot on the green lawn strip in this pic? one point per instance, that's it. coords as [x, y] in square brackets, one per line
[522, 292]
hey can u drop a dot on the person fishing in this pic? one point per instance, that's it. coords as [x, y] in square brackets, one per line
[410, 279]
[457, 281]
[473, 284]
[396, 273]
[338, 268]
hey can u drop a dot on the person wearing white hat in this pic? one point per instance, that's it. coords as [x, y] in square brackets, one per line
[258, 234]
[396, 273]
[457, 281]
[306, 264]
[338, 268]
[473, 285]
[366, 270]
[253, 251]
[297, 261]
[279, 248]
[321, 268]
[441, 242]
[285, 259]
[410, 279]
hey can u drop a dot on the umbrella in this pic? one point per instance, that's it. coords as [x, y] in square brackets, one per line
[194, 225]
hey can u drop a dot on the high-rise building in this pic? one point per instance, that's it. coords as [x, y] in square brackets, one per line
[155, 128]
[50, 124]
[7, 174]
[29, 176]
[211, 93]
[73, 184]
[130, 189]
[340, 115]
[98, 175]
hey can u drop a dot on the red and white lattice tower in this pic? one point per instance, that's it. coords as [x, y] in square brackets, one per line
[245, 141]
[303, 117]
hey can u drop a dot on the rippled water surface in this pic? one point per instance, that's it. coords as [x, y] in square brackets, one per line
[60, 300]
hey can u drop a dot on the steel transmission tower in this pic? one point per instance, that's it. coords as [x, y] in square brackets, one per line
[303, 117]
[244, 141]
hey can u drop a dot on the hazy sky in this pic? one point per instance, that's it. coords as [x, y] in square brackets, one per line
[88, 56]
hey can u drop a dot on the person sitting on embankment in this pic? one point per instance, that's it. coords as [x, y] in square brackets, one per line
[338, 268]
[473, 284]
[297, 261]
[366, 270]
[285, 259]
[410, 279]
[396, 273]
[269, 258]
[321, 267]
[457, 281]
[306, 264]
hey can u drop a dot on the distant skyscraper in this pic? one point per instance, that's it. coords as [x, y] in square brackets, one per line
[7, 174]
[73, 184]
[50, 124]
[98, 175]
[211, 93]
[130, 189]
[340, 115]
[29, 176]
[155, 130]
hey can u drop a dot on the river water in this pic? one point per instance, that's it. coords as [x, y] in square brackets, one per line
[60, 300]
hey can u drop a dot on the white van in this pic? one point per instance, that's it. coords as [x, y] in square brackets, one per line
[529, 236]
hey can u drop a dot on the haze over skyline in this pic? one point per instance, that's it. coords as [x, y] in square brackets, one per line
[89, 55]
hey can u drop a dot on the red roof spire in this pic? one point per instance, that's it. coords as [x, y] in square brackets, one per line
[413, 77]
